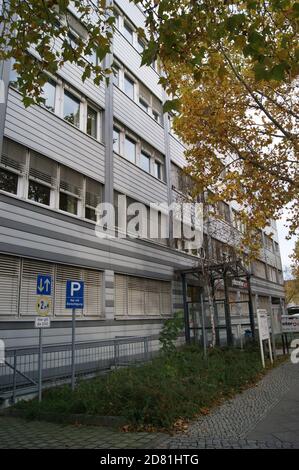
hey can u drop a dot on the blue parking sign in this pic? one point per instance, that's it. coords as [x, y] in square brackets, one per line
[74, 294]
[43, 284]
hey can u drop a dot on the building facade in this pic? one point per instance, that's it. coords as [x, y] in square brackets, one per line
[88, 144]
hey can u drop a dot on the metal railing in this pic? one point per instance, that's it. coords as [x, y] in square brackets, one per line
[19, 373]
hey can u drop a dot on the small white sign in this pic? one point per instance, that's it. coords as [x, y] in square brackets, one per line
[289, 324]
[42, 322]
[263, 325]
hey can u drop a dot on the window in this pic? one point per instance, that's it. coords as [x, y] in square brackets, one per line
[9, 285]
[116, 140]
[71, 109]
[129, 87]
[42, 178]
[130, 149]
[143, 104]
[92, 198]
[158, 169]
[39, 193]
[48, 95]
[128, 32]
[140, 46]
[12, 165]
[156, 116]
[145, 162]
[8, 181]
[92, 122]
[70, 190]
[115, 75]
[141, 296]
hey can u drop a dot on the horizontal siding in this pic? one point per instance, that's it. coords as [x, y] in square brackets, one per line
[177, 152]
[132, 11]
[132, 116]
[128, 55]
[25, 230]
[46, 133]
[145, 187]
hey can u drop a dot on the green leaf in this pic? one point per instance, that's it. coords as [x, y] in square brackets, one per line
[171, 105]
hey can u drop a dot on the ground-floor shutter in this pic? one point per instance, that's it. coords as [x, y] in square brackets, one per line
[120, 294]
[135, 296]
[152, 297]
[166, 298]
[9, 285]
[93, 287]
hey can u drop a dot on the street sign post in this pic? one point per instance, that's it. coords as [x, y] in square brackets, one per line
[74, 299]
[42, 307]
[264, 333]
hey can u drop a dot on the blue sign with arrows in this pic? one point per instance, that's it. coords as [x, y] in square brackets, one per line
[44, 284]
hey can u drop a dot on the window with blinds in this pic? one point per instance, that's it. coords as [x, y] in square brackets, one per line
[42, 169]
[18, 279]
[13, 156]
[92, 290]
[136, 296]
[9, 285]
[28, 298]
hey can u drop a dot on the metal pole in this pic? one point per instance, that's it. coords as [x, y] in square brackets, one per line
[186, 310]
[14, 376]
[250, 306]
[40, 365]
[73, 347]
[203, 324]
[229, 334]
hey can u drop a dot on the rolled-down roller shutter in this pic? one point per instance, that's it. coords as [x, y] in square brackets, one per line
[136, 296]
[121, 294]
[9, 285]
[93, 282]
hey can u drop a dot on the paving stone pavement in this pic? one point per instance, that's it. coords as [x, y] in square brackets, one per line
[251, 420]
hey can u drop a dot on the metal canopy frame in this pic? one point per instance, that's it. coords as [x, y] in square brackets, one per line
[219, 271]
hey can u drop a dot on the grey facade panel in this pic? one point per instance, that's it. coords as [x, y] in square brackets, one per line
[132, 61]
[131, 115]
[46, 133]
[177, 152]
[146, 188]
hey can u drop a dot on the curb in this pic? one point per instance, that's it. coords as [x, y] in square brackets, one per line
[88, 420]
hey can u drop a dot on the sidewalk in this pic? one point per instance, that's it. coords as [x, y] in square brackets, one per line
[265, 416]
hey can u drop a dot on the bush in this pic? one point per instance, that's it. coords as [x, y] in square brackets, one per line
[157, 393]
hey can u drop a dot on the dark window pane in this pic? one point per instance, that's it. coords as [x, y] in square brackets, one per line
[116, 140]
[158, 170]
[128, 33]
[145, 162]
[8, 181]
[39, 193]
[90, 214]
[71, 109]
[92, 122]
[68, 203]
[48, 95]
[143, 104]
[129, 87]
[130, 150]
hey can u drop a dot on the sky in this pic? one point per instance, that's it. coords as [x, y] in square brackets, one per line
[286, 246]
